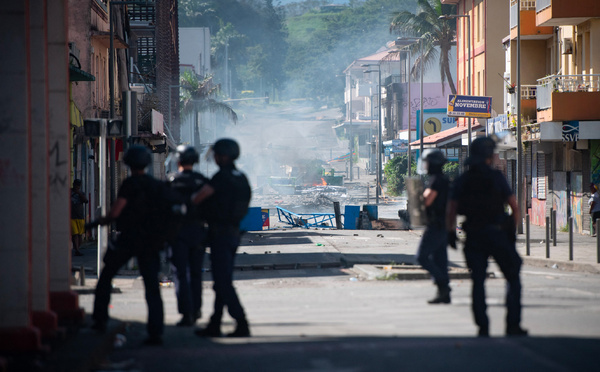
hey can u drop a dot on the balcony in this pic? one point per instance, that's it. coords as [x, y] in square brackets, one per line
[565, 12]
[568, 97]
[529, 29]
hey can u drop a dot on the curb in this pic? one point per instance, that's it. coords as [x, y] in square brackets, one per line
[561, 265]
[406, 272]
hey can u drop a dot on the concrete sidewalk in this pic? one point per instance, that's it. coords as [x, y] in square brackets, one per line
[294, 248]
[585, 254]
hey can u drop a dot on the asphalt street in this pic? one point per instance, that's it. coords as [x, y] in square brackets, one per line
[323, 300]
[335, 320]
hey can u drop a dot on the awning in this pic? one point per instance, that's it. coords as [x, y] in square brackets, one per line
[75, 115]
[76, 74]
[447, 136]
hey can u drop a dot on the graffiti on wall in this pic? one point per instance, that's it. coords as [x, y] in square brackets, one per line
[559, 198]
[576, 200]
[538, 212]
[595, 161]
[58, 176]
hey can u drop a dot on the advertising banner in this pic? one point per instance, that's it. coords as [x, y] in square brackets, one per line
[434, 121]
[469, 106]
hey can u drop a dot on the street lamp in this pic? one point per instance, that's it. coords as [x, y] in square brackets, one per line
[404, 43]
[379, 143]
[349, 77]
[468, 17]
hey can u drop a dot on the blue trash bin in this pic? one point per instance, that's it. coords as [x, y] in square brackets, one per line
[371, 210]
[253, 221]
[351, 214]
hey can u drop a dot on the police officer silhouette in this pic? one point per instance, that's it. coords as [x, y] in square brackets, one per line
[480, 194]
[187, 249]
[432, 253]
[132, 212]
[225, 199]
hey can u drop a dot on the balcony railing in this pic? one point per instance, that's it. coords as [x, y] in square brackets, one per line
[528, 91]
[542, 4]
[564, 83]
[525, 5]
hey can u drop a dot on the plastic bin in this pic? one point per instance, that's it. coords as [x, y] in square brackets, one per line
[371, 210]
[351, 214]
[253, 221]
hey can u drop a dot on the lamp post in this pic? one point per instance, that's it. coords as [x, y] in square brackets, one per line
[379, 143]
[351, 132]
[404, 43]
[468, 17]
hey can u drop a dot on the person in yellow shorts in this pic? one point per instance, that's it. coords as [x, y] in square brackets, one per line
[78, 199]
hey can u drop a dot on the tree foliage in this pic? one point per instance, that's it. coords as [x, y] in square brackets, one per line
[396, 172]
[324, 43]
[435, 33]
[240, 29]
[301, 51]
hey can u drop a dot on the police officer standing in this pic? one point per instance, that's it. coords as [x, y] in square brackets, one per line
[132, 213]
[432, 253]
[480, 194]
[225, 198]
[187, 249]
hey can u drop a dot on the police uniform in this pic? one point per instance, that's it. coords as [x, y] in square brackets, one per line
[432, 254]
[187, 249]
[480, 195]
[135, 240]
[225, 210]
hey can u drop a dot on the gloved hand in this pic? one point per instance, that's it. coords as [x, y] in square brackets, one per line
[452, 239]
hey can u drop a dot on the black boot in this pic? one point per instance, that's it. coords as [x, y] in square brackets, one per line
[213, 329]
[515, 330]
[442, 296]
[187, 320]
[241, 330]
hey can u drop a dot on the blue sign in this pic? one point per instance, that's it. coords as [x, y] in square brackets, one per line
[469, 106]
[570, 131]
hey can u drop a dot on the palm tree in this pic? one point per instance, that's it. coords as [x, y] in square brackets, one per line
[197, 97]
[436, 33]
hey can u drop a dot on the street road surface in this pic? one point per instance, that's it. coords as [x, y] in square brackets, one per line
[330, 320]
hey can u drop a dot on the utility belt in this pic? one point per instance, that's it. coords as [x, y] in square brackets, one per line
[505, 224]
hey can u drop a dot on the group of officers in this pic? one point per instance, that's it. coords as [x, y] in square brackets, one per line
[214, 209]
[481, 195]
[209, 212]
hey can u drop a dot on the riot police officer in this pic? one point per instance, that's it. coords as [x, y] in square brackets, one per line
[187, 249]
[132, 214]
[432, 254]
[226, 198]
[480, 194]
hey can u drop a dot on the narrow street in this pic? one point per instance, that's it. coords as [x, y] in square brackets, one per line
[333, 320]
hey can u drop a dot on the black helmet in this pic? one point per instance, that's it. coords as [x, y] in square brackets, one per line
[227, 147]
[187, 155]
[431, 162]
[482, 148]
[138, 157]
